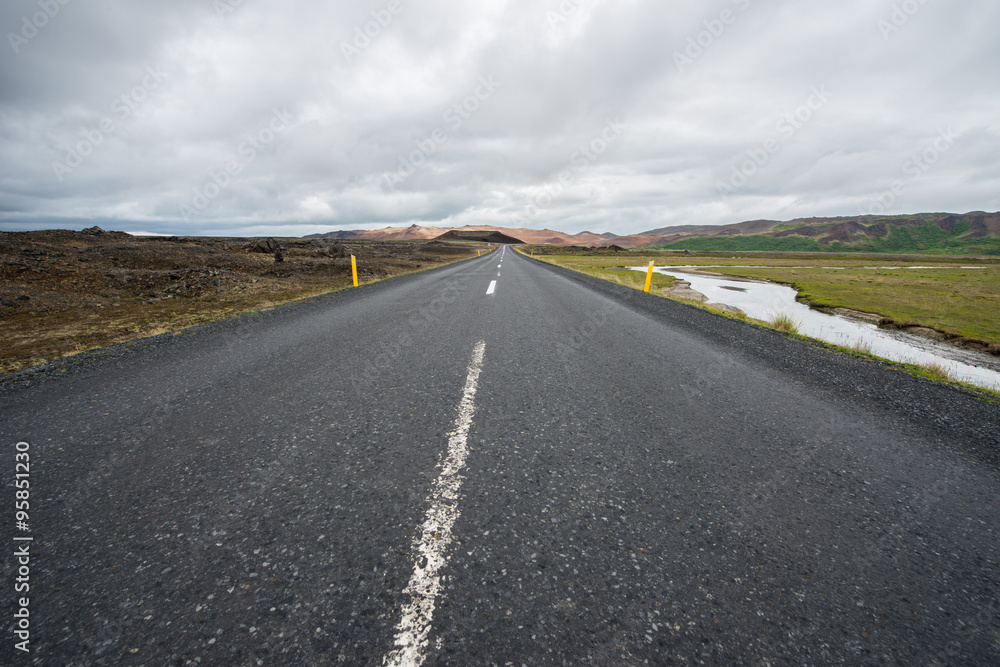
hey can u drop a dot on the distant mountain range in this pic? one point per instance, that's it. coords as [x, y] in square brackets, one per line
[975, 233]
[416, 232]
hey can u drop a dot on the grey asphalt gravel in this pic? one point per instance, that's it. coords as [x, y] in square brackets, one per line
[646, 483]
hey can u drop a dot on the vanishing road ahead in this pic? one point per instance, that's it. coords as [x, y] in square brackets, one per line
[498, 462]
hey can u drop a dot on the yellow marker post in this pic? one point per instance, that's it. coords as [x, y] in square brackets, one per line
[649, 278]
[532, 253]
[479, 253]
[354, 269]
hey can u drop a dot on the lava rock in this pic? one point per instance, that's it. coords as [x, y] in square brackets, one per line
[265, 245]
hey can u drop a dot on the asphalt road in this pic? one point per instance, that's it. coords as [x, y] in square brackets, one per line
[560, 471]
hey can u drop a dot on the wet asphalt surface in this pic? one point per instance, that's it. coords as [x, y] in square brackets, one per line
[646, 483]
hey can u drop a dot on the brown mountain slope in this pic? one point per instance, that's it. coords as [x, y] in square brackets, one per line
[484, 236]
[845, 230]
[414, 232]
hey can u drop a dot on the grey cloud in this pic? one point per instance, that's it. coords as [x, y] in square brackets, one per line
[565, 68]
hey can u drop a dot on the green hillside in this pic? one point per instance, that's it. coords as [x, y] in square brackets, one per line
[927, 239]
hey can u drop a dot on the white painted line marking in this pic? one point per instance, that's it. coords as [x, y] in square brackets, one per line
[492, 288]
[430, 557]
[498, 266]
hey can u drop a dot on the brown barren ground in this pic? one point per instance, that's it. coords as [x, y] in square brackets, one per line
[64, 292]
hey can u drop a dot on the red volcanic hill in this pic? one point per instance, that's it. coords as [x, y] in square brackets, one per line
[483, 236]
[416, 232]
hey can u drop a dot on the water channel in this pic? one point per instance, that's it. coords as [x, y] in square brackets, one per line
[763, 301]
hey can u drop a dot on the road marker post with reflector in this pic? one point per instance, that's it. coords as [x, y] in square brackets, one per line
[354, 269]
[649, 278]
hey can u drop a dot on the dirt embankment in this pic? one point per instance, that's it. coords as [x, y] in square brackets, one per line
[915, 328]
[62, 292]
[951, 338]
[681, 289]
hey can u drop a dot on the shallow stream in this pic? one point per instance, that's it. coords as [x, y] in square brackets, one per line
[763, 301]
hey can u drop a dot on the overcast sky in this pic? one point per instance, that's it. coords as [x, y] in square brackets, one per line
[290, 117]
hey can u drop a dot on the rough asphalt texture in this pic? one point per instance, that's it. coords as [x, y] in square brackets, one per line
[647, 483]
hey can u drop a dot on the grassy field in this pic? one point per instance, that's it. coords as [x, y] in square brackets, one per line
[631, 278]
[963, 302]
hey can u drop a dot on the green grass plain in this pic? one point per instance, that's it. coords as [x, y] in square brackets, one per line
[961, 301]
[965, 302]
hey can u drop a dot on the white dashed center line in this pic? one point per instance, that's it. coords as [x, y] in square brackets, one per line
[492, 288]
[430, 550]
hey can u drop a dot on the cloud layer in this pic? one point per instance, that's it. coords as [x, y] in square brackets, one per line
[300, 116]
